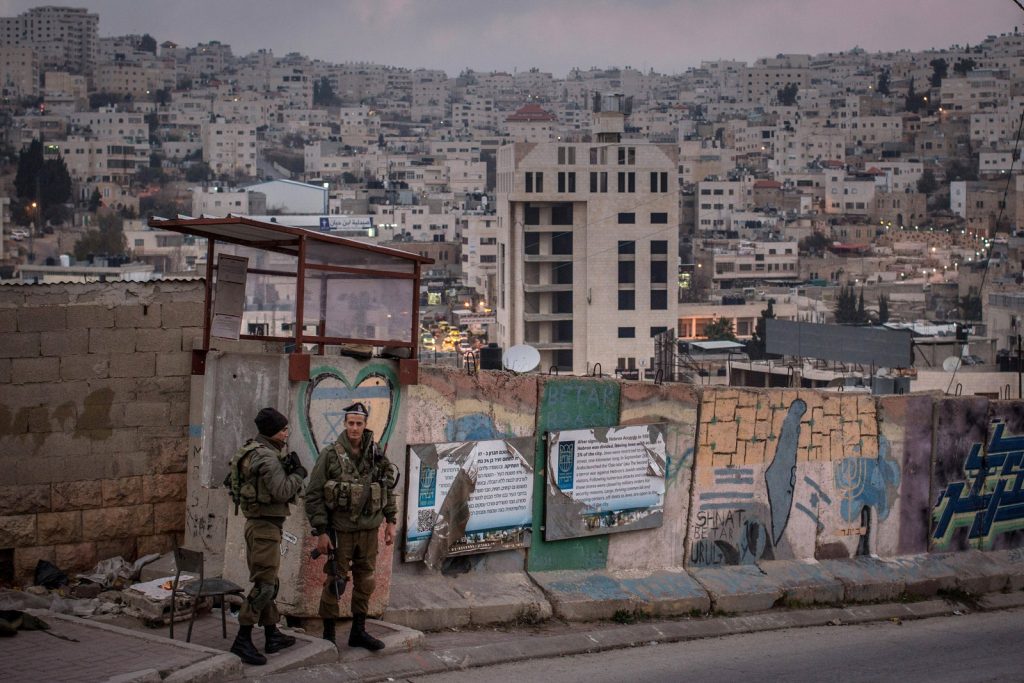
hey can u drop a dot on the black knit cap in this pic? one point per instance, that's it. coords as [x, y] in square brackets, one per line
[270, 422]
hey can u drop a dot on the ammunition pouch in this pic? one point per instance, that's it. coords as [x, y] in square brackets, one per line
[337, 495]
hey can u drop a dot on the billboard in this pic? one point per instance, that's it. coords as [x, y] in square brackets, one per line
[844, 343]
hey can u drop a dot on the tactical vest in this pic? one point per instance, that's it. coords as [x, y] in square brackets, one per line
[246, 492]
[360, 496]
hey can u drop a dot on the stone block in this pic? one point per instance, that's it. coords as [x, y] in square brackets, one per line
[64, 342]
[738, 589]
[118, 522]
[725, 409]
[804, 583]
[8, 320]
[20, 500]
[31, 370]
[182, 314]
[5, 370]
[87, 317]
[123, 491]
[59, 527]
[95, 418]
[42, 319]
[76, 495]
[158, 339]
[88, 366]
[117, 547]
[722, 436]
[139, 316]
[161, 488]
[19, 345]
[169, 517]
[75, 557]
[745, 423]
[191, 338]
[114, 340]
[156, 544]
[26, 559]
[138, 414]
[17, 531]
[14, 422]
[177, 413]
[174, 364]
[867, 579]
[170, 457]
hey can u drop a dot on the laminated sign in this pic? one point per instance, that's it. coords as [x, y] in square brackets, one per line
[606, 480]
[468, 497]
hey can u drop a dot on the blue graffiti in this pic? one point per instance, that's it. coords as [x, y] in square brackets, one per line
[780, 476]
[474, 427]
[994, 502]
[867, 482]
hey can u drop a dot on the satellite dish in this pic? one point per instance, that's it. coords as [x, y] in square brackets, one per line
[521, 358]
[951, 364]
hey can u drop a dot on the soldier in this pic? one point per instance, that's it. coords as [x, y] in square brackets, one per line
[351, 491]
[265, 480]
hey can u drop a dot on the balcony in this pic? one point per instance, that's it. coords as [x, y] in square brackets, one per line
[540, 289]
[547, 258]
[546, 317]
[550, 345]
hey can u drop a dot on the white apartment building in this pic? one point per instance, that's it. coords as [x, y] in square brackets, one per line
[845, 195]
[978, 91]
[475, 112]
[734, 264]
[110, 123]
[63, 37]
[869, 131]
[250, 107]
[230, 148]
[19, 72]
[899, 175]
[717, 200]
[92, 160]
[431, 94]
[699, 159]
[218, 202]
[480, 252]
[796, 149]
[465, 175]
[531, 123]
[137, 80]
[587, 247]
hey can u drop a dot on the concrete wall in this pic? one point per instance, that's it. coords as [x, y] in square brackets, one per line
[94, 400]
[752, 474]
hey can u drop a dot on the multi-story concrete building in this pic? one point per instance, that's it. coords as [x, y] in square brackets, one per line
[110, 123]
[93, 160]
[230, 148]
[63, 37]
[19, 72]
[480, 252]
[587, 246]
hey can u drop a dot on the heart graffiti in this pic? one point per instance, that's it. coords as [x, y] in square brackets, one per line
[322, 399]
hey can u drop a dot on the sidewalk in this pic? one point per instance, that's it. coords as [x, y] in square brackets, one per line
[457, 651]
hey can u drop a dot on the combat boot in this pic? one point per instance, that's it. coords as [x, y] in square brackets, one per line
[275, 641]
[244, 649]
[329, 629]
[360, 638]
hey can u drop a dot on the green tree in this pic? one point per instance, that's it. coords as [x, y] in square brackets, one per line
[323, 93]
[883, 83]
[883, 309]
[846, 306]
[961, 170]
[106, 239]
[757, 347]
[862, 314]
[95, 200]
[914, 102]
[816, 243]
[147, 43]
[43, 181]
[970, 307]
[198, 172]
[964, 66]
[30, 165]
[787, 94]
[719, 329]
[927, 184]
[940, 67]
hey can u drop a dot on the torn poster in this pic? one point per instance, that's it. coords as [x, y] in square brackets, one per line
[605, 480]
[468, 497]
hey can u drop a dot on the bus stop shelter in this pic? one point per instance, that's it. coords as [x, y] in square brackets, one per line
[275, 283]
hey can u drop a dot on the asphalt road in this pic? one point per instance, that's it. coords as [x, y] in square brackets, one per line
[972, 647]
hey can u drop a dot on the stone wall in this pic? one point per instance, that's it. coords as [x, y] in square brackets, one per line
[94, 401]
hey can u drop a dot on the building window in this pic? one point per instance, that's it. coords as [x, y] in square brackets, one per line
[627, 247]
[561, 214]
[627, 181]
[566, 181]
[659, 246]
[598, 181]
[529, 181]
[659, 271]
[627, 218]
[655, 331]
[531, 243]
[659, 299]
[627, 155]
[627, 333]
[561, 243]
[627, 272]
[659, 218]
[627, 300]
[531, 215]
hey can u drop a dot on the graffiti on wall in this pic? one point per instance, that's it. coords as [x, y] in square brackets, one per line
[989, 501]
[322, 399]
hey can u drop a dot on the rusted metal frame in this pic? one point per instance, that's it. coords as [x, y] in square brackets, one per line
[300, 295]
[311, 339]
[265, 271]
[208, 304]
[416, 311]
[244, 243]
[264, 337]
[349, 270]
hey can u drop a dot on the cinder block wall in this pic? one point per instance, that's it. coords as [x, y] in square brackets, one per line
[94, 396]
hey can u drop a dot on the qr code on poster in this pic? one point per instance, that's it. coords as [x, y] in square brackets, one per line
[425, 520]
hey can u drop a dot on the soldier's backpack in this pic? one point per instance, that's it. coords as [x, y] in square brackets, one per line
[242, 492]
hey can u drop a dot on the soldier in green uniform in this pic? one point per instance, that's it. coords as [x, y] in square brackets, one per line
[268, 480]
[351, 492]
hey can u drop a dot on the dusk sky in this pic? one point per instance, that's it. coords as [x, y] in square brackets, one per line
[553, 35]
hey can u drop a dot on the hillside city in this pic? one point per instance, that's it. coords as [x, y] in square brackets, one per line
[591, 215]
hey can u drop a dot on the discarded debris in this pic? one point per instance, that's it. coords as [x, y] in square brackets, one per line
[836, 622]
[12, 621]
[49, 575]
[896, 620]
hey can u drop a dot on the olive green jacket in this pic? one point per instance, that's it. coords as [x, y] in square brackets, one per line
[351, 490]
[275, 489]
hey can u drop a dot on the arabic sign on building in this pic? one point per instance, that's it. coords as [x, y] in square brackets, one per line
[605, 480]
[468, 497]
[339, 223]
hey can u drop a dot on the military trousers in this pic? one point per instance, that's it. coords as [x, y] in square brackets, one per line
[356, 550]
[263, 555]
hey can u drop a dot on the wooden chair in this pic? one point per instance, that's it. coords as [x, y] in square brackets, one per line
[191, 561]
